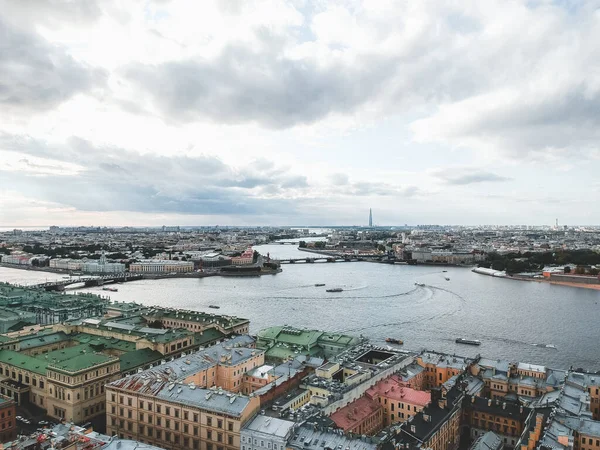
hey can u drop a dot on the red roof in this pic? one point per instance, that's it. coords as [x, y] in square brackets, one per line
[354, 413]
[392, 388]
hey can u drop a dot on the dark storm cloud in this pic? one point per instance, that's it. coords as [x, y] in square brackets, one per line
[268, 88]
[116, 179]
[35, 75]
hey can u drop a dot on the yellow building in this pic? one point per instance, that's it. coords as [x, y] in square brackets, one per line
[183, 403]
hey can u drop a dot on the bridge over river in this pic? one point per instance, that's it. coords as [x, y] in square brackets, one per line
[97, 280]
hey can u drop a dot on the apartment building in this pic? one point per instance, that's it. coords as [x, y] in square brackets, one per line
[440, 367]
[182, 403]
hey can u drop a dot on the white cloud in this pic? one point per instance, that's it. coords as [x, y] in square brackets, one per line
[342, 103]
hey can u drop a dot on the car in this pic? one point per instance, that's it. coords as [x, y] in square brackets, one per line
[19, 418]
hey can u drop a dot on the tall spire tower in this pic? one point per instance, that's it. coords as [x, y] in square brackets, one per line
[370, 217]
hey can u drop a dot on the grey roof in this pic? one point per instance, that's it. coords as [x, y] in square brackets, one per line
[209, 399]
[531, 367]
[271, 426]
[311, 439]
[553, 431]
[442, 360]
[488, 441]
[500, 365]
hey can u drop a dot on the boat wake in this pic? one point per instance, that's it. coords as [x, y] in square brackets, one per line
[552, 346]
[351, 297]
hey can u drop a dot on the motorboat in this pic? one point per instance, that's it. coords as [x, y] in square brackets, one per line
[394, 341]
[334, 290]
[468, 341]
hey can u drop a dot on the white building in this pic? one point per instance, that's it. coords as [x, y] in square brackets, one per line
[266, 433]
[66, 264]
[102, 266]
[19, 259]
[157, 266]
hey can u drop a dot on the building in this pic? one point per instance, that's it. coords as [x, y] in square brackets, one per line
[196, 321]
[245, 258]
[8, 424]
[182, 403]
[363, 416]
[436, 427]
[506, 419]
[440, 367]
[102, 266]
[17, 259]
[314, 437]
[282, 343]
[161, 266]
[66, 264]
[488, 441]
[50, 307]
[72, 437]
[267, 433]
[399, 403]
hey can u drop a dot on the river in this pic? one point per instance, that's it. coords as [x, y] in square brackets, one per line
[381, 301]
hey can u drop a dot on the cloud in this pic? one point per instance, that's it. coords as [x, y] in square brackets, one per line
[35, 75]
[243, 86]
[459, 176]
[119, 179]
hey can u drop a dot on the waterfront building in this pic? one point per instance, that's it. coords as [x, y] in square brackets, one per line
[66, 264]
[282, 343]
[269, 433]
[64, 369]
[440, 367]
[7, 419]
[102, 266]
[182, 403]
[161, 266]
[11, 320]
[51, 307]
[196, 321]
[245, 258]
[17, 259]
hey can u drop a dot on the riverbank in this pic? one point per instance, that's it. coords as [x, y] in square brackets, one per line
[595, 287]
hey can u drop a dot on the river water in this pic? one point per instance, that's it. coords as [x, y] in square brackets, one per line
[381, 301]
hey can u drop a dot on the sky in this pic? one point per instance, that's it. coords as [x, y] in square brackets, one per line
[250, 112]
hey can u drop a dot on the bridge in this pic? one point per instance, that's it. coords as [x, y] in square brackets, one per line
[286, 243]
[323, 259]
[97, 280]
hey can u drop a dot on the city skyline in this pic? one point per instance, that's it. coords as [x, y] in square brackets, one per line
[280, 113]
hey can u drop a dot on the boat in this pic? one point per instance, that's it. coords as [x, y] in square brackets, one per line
[550, 346]
[334, 290]
[214, 306]
[320, 284]
[420, 284]
[444, 271]
[394, 341]
[110, 289]
[468, 341]
[447, 279]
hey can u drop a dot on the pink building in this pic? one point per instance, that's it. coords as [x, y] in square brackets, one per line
[399, 402]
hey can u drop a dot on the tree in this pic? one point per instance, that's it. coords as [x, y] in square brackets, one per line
[567, 269]
[302, 244]
[580, 270]
[381, 248]
[594, 271]
[320, 244]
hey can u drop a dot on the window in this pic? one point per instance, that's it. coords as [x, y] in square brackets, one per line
[230, 426]
[129, 402]
[177, 414]
[219, 423]
[230, 441]
[141, 405]
[209, 421]
[185, 415]
[195, 431]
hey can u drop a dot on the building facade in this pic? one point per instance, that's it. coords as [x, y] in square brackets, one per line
[161, 266]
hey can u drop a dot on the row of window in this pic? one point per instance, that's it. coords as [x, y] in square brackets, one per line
[219, 423]
[158, 433]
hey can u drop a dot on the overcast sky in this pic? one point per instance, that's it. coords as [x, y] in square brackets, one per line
[273, 112]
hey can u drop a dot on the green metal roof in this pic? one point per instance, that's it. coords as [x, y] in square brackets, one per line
[101, 342]
[209, 335]
[139, 358]
[74, 359]
[26, 362]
